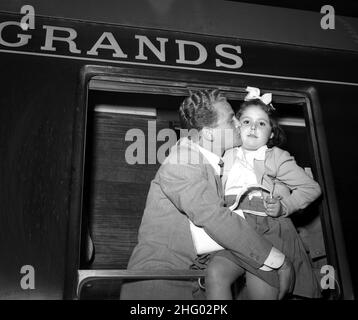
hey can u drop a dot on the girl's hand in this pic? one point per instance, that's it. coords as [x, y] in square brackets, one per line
[273, 206]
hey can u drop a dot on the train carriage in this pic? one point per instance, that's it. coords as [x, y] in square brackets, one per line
[84, 85]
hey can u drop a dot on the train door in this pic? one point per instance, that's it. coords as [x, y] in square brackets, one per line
[126, 123]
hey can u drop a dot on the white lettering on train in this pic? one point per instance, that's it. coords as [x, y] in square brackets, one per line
[220, 50]
[160, 54]
[203, 54]
[23, 38]
[50, 38]
[113, 45]
[188, 52]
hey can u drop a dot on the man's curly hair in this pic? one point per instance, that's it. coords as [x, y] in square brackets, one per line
[197, 110]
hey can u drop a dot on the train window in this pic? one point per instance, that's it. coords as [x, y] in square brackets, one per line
[115, 189]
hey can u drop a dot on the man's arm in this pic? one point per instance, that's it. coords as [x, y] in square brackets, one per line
[190, 191]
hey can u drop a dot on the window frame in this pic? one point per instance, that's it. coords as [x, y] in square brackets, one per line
[174, 82]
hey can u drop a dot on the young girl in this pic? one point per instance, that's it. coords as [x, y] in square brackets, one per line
[259, 162]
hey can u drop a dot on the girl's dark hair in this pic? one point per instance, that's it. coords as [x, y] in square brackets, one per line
[279, 137]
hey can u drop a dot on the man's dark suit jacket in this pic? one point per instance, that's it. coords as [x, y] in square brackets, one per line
[186, 186]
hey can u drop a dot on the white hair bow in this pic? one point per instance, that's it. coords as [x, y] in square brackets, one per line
[254, 93]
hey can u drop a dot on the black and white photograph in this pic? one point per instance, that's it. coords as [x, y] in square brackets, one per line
[197, 151]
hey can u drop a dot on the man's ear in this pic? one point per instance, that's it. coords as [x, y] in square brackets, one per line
[207, 134]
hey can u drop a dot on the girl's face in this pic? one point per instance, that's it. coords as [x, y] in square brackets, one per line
[255, 128]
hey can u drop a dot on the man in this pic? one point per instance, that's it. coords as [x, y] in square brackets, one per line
[187, 187]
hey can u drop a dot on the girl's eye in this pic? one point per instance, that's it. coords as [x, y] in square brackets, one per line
[245, 122]
[262, 124]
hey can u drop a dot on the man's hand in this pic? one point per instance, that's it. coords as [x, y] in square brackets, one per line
[273, 206]
[286, 275]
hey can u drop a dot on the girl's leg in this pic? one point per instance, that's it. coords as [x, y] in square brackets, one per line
[221, 273]
[257, 289]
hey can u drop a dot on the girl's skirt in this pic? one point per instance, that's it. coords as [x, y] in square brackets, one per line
[283, 235]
